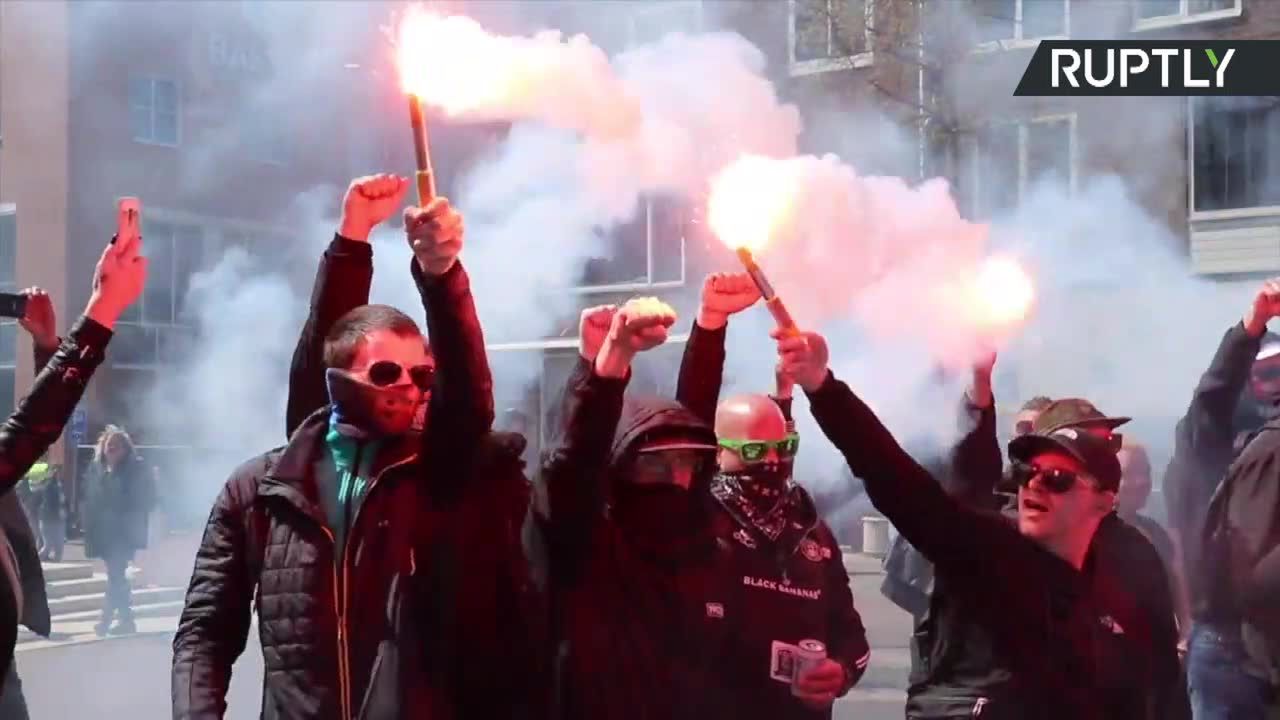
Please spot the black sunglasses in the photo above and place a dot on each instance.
(1055, 480)
(386, 373)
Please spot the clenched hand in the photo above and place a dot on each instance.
(369, 201)
(435, 235)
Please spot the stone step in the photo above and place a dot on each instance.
(69, 604)
(80, 625)
(95, 584)
(57, 572)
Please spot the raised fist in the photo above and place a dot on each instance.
(803, 356)
(979, 391)
(369, 201)
(118, 280)
(642, 324)
(1266, 305)
(593, 328)
(724, 294)
(435, 235)
(40, 319)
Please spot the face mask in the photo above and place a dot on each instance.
(655, 515)
(381, 411)
(764, 483)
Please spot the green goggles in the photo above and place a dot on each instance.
(755, 450)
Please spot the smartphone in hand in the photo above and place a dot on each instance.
(13, 305)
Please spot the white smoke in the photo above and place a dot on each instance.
(229, 399)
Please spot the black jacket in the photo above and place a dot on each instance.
(638, 635)
(1204, 446)
(970, 476)
(1080, 641)
(428, 602)
(956, 666)
(24, 437)
(798, 582)
(116, 508)
(1241, 553)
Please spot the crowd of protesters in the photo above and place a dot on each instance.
(404, 560)
(661, 561)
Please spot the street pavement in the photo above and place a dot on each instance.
(129, 677)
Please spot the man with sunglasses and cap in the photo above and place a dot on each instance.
(1078, 642)
(1123, 550)
(385, 571)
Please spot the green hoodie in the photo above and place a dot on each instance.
(342, 485)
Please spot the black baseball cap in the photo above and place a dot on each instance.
(1096, 454)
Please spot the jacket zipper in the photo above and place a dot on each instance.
(340, 595)
(342, 640)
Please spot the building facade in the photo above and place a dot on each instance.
(1208, 169)
(207, 112)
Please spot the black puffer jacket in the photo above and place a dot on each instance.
(439, 618)
(427, 605)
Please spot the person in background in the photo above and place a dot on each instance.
(1135, 489)
(1024, 422)
(49, 504)
(118, 500)
(1236, 393)
(36, 424)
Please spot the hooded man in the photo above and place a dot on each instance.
(640, 619)
(1228, 405)
(1078, 642)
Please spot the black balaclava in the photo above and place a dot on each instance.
(378, 411)
(658, 517)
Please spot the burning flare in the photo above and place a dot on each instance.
(751, 201)
(454, 64)
(1003, 293)
(451, 62)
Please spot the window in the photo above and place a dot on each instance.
(1004, 20)
(1004, 160)
(153, 110)
(647, 251)
(829, 34)
(150, 331)
(1235, 150)
(1163, 13)
(652, 22)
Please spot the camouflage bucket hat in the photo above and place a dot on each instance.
(1073, 412)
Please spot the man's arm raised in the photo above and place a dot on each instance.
(342, 284)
